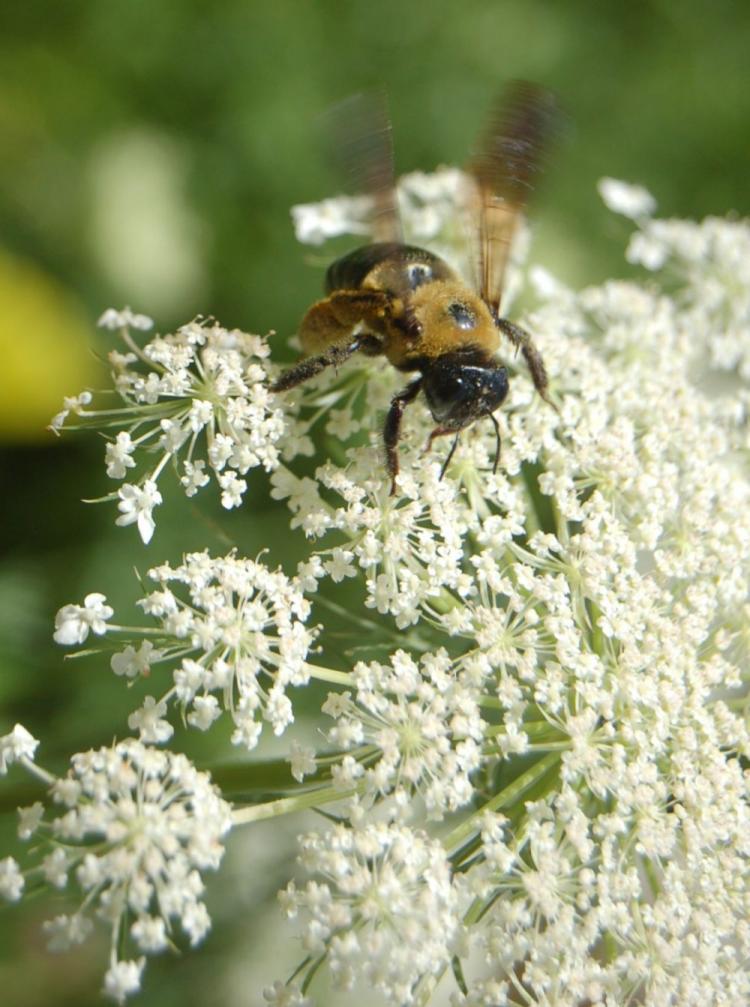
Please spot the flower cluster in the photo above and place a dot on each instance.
(232, 631)
(409, 549)
(602, 604)
(385, 912)
(198, 398)
(133, 827)
(409, 729)
(536, 766)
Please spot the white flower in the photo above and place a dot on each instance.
(65, 932)
(150, 933)
(608, 650)
(123, 978)
(233, 633)
(420, 727)
(314, 223)
(384, 908)
(71, 404)
(233, 489)
(19, 744)
(202, 390)
(11, 880)
(114, 319)
(55, 867)
(629, 200)
(136, 505)
(302, 759)
(132, 663)
(74, 622)
(149, 722)
(556, 654)
(205, 711)
(135, 827)
(118, 455)
(29, 819)
(285, 995)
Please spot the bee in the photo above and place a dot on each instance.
(402, 302)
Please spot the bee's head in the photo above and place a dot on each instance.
(463, 386)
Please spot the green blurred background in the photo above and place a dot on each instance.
(150, 152)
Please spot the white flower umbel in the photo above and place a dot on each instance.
(409, 729)
(536, 771)
(382, 906)
(603, 609)
(408, 548)
(197, 398)
(132, 828)
(711, 261)
(231, 631)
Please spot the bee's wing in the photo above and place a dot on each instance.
(511, 155)
(360, 130)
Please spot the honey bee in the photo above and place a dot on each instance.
(406, 304)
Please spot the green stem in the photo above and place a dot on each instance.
(288, 805)
(507, 796)
(534, 728)
(329, 674)
(37, 771)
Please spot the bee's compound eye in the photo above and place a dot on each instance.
(462, 315)
(418, 274)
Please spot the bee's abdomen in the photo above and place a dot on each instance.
(415, 265)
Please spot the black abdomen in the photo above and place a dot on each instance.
(419, 266)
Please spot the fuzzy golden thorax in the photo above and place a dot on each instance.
(450, 317)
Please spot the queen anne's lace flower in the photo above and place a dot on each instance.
(410, 729)
(384, 911)
(234, 633)
(556, 654)
(605, 641)
(11, 880)
(135, 829)
(200, 390)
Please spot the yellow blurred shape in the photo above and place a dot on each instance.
(45, 352)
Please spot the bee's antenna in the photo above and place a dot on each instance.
(496, 425)
(447, 461)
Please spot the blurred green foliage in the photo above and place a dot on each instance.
(150, 154)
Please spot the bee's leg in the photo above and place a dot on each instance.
(442, 432)
(310, 366)
(331, 321)
(326, 333)
(523, 342)
(392, 429)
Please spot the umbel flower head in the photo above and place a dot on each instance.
(534, 752)
(133, 828)
(233, 633)
(594, 588)
(385, 912)
(197, 398)
(409, 729)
